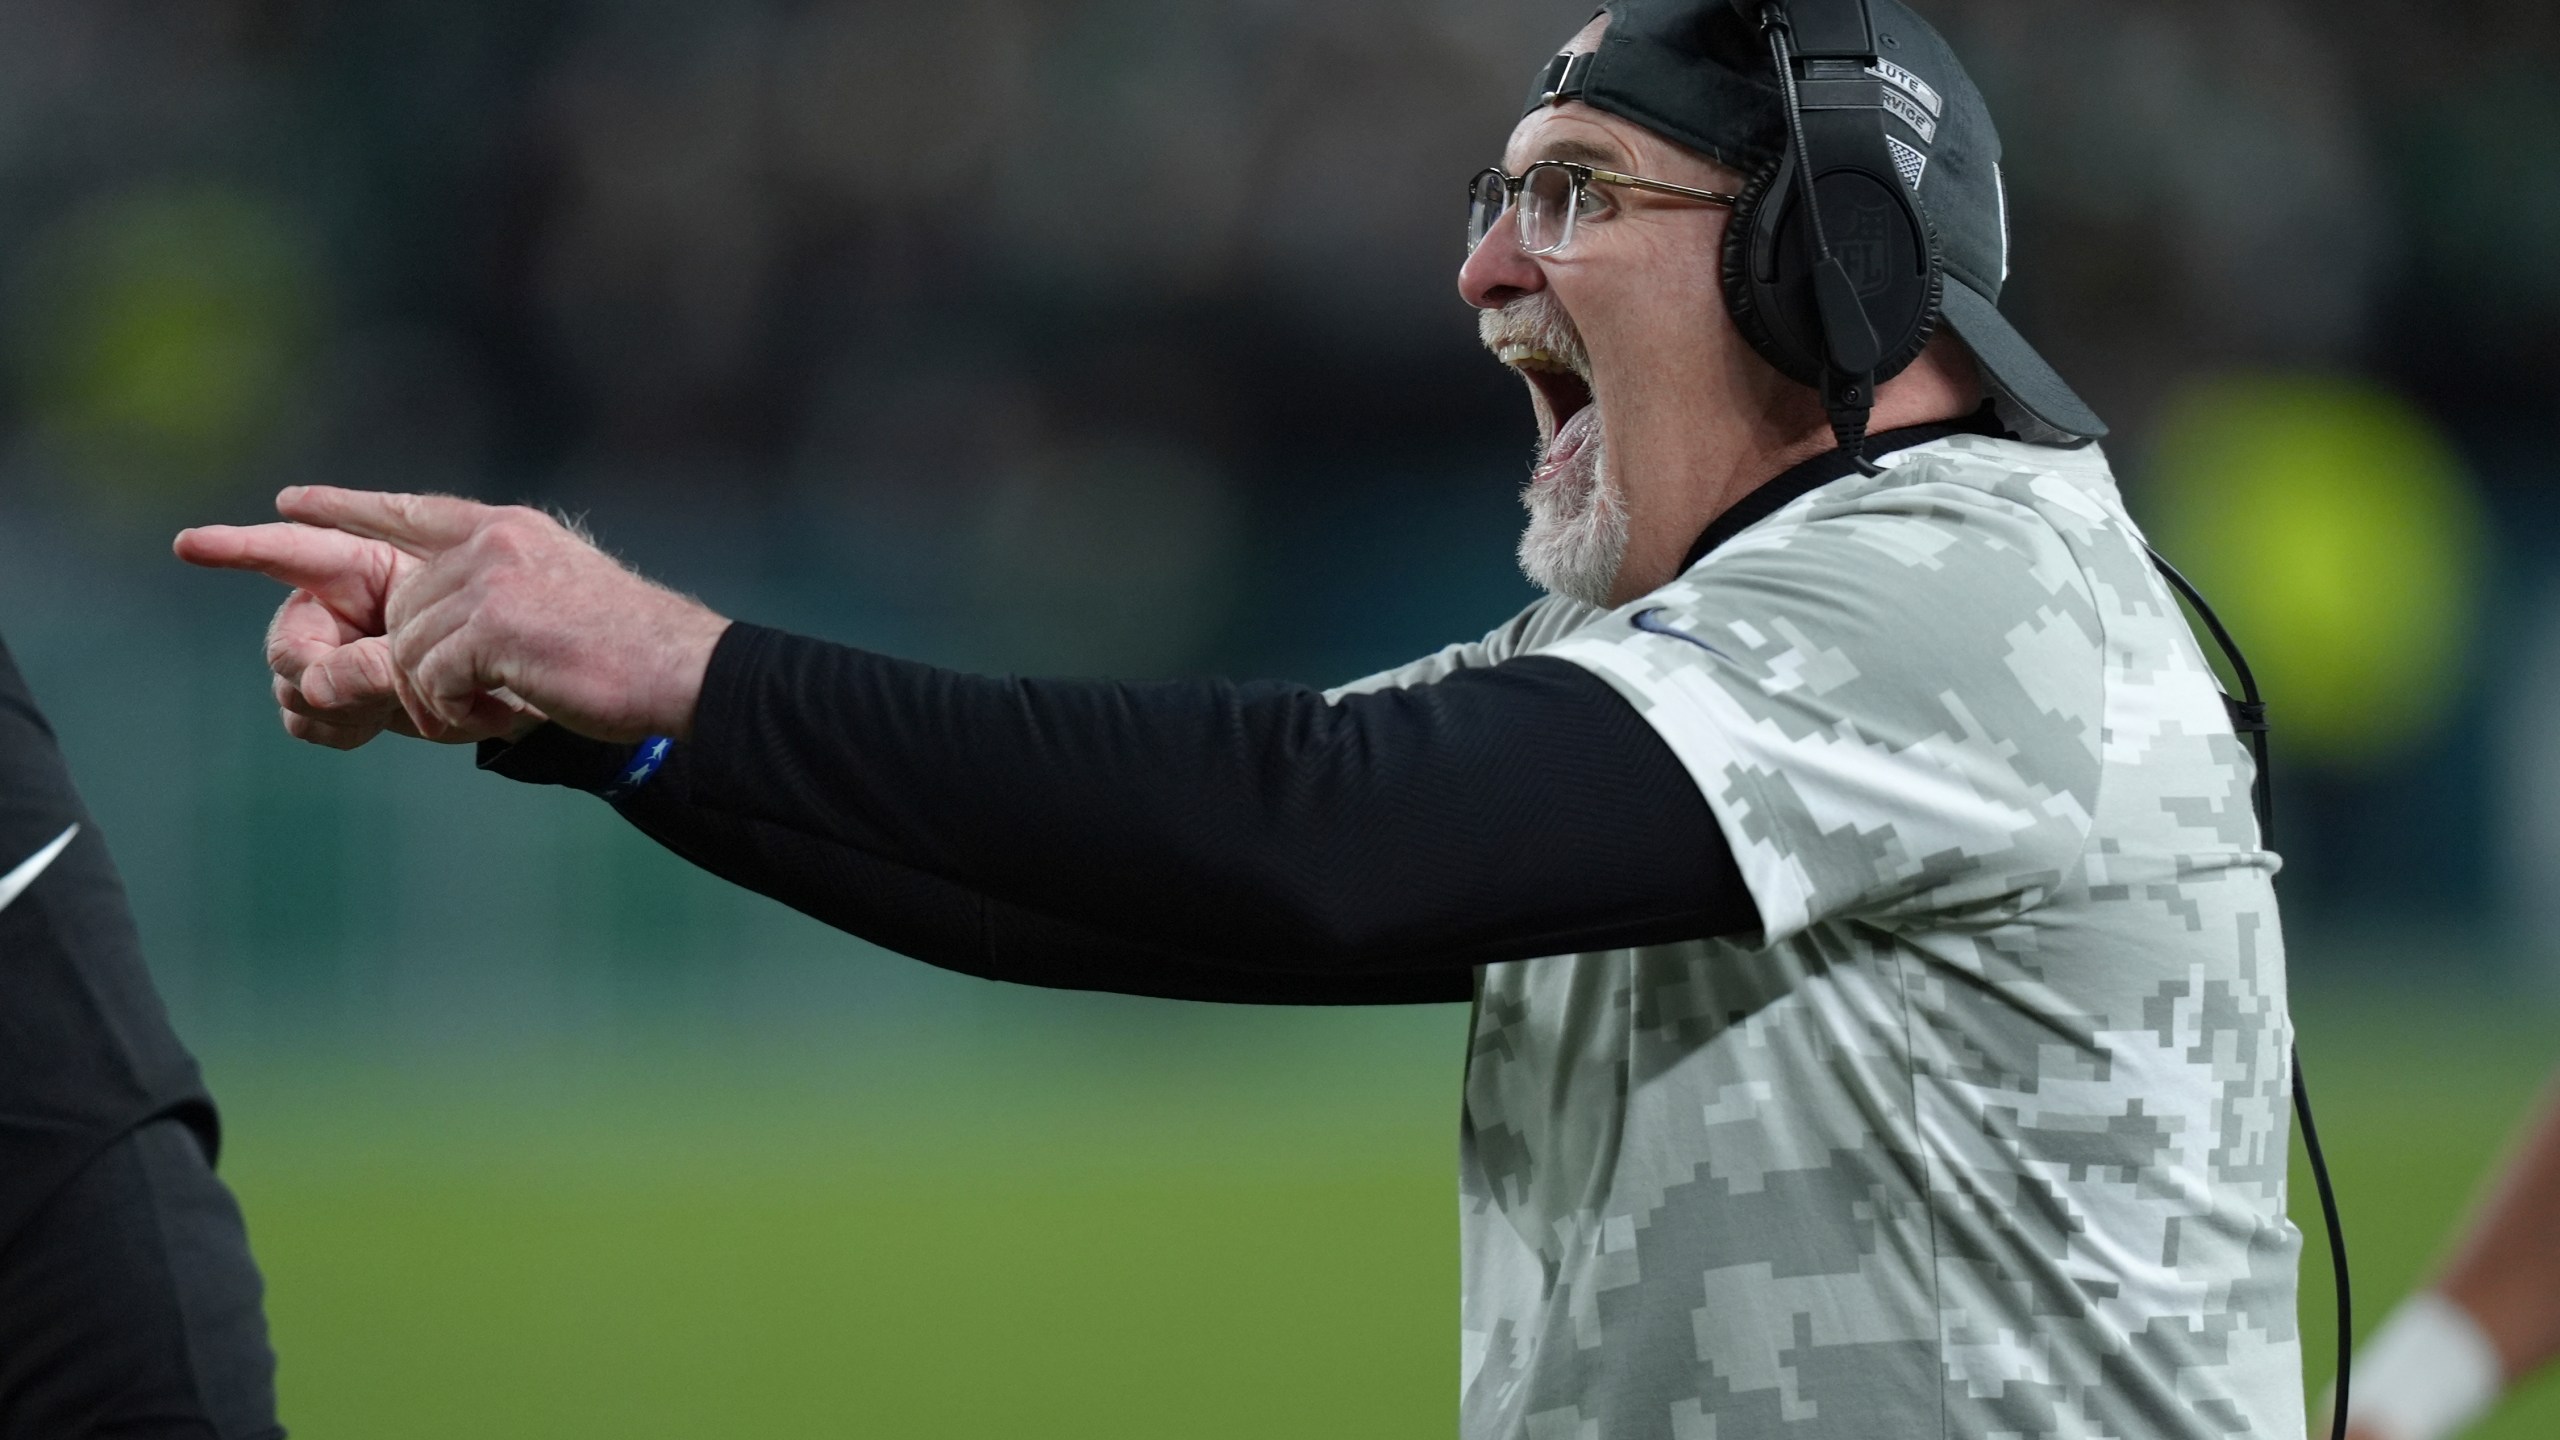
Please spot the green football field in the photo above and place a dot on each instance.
(1245, 1230)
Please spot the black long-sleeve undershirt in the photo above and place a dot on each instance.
(1196, 839)
(932, 919)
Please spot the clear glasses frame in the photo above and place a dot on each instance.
(1551, 196)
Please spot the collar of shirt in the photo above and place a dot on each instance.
(1821, 470)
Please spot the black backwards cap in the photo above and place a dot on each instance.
(1697, 72)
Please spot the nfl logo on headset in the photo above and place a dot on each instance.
(1864, 243)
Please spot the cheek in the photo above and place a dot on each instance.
(1666, 332)
(1687, 286)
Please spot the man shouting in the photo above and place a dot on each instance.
(1879, 1001)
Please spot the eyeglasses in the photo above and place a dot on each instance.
(1553, 195)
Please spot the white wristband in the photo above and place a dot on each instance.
(2426, 1374)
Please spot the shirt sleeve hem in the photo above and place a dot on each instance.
(552, 755)
(1682, 716)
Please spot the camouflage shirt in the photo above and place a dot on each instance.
(1985, 1136)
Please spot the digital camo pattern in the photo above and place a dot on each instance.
(1548, 620)
(1986, 1137)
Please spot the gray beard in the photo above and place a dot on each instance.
(1577, 535)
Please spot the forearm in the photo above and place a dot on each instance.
(928, 918)
(1503, 814)
(2506, 1271)
(2489, 1320)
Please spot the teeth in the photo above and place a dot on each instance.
(1527, 358)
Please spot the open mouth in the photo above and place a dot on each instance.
(1557, 390)
(1568, 421)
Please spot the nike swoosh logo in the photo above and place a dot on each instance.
(15, 883)
(1649, 622)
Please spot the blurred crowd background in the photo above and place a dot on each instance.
(1120, 337)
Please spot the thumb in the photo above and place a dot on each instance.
(303, 631)
(353, 678)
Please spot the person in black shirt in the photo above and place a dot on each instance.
(129, 1304)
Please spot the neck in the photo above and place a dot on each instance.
(1757, 443)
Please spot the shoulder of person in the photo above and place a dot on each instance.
(1967, 563)
(1547, 619)
(1966, 480)
(1966, 520)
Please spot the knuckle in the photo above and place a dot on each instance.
(499, 629)
(373, 667)
(518, 533)
(444, 677)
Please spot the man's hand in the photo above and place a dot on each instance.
(457, 621)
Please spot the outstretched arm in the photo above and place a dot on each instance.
(924, 916)
(2490, 1320)
(1501, 814)
(2506, 1272)
(1504, 813)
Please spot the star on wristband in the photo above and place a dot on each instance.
(646, 761)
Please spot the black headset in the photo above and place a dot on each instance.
(1840, 294)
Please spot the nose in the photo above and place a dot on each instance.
(1497, 272)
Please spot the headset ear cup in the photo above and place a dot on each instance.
(1746, 299)
(1924, 326)
(1752, 304)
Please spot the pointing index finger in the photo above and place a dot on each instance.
(347, 574)
(418, 524)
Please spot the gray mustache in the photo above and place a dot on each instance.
(1537, 321)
